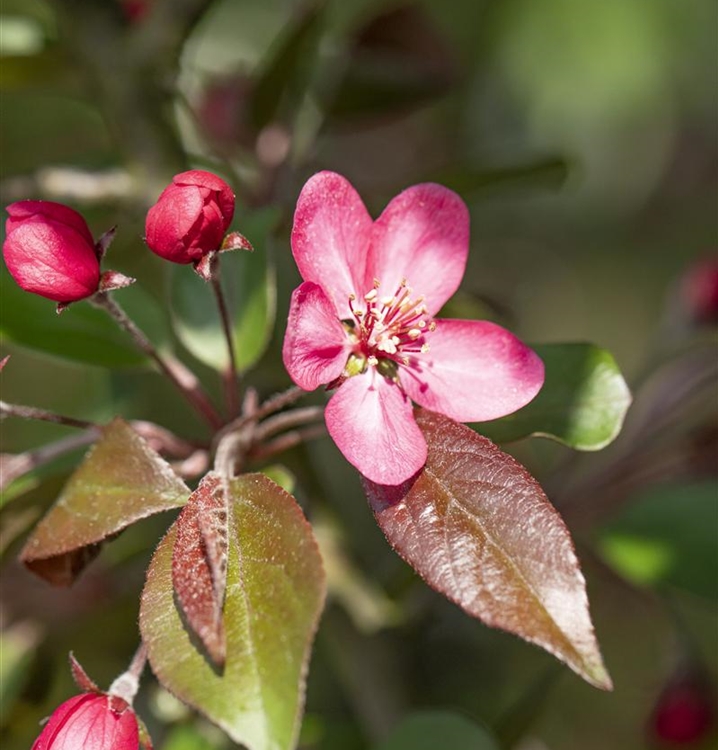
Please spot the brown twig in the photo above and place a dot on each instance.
(286, 441)
(183, 379)
(287, 420)
(31, 412)
(13, 467)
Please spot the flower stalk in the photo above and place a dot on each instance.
(230, 374)
(184, 379)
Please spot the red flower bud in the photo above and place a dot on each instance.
(684, 711)
(91, 721)
(699, 290)
(190, 218)
(49, 251)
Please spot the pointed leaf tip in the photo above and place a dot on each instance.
(101, 499)
(479, 529)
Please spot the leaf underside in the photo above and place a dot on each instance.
(275, 593)
(479, 529)
(121, 480)
(199, 564)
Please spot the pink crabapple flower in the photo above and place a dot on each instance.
(190, 218)
(91, 721)
(364, 319)
(49, 250)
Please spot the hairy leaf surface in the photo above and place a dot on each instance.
(275, 593)
(121, 480)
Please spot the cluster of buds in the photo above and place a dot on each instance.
(49, 249)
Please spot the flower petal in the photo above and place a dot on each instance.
(51, 259)
(330, 238)
(372, 423)
(50, 212)
(422, 236)
(171, 219)
(474, 371)
(316, 346)
(224, 194)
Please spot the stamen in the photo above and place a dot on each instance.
(372, 360)
(414, 333)
(369, 296)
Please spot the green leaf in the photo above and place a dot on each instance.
(18, 645)
(479, 529)
(549, 172)
(81, 333)
(188, 738)
(284, 75)
(582, 404)
(275, 593)
(120, 481)
(429, 730)
(250, 290)
(667, 535)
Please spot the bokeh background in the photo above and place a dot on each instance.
(583, 135)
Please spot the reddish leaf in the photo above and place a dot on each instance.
(120, 481)
(199, 564)
(479, 529)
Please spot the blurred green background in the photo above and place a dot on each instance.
(583, 136)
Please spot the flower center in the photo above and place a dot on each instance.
(387, 331)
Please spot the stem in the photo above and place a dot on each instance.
(230, 376)
(14, 467)
(288, 440)
(183, 378)
(272, 404)
(127, 684)
(30, 412)
(287, 419)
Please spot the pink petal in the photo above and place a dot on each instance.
(171, 219)
(372, 423)
(422, 236)
(51, 259)
(202, 179)
(330, 238)
(316, 346)
(50, 212)
(474, 371)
